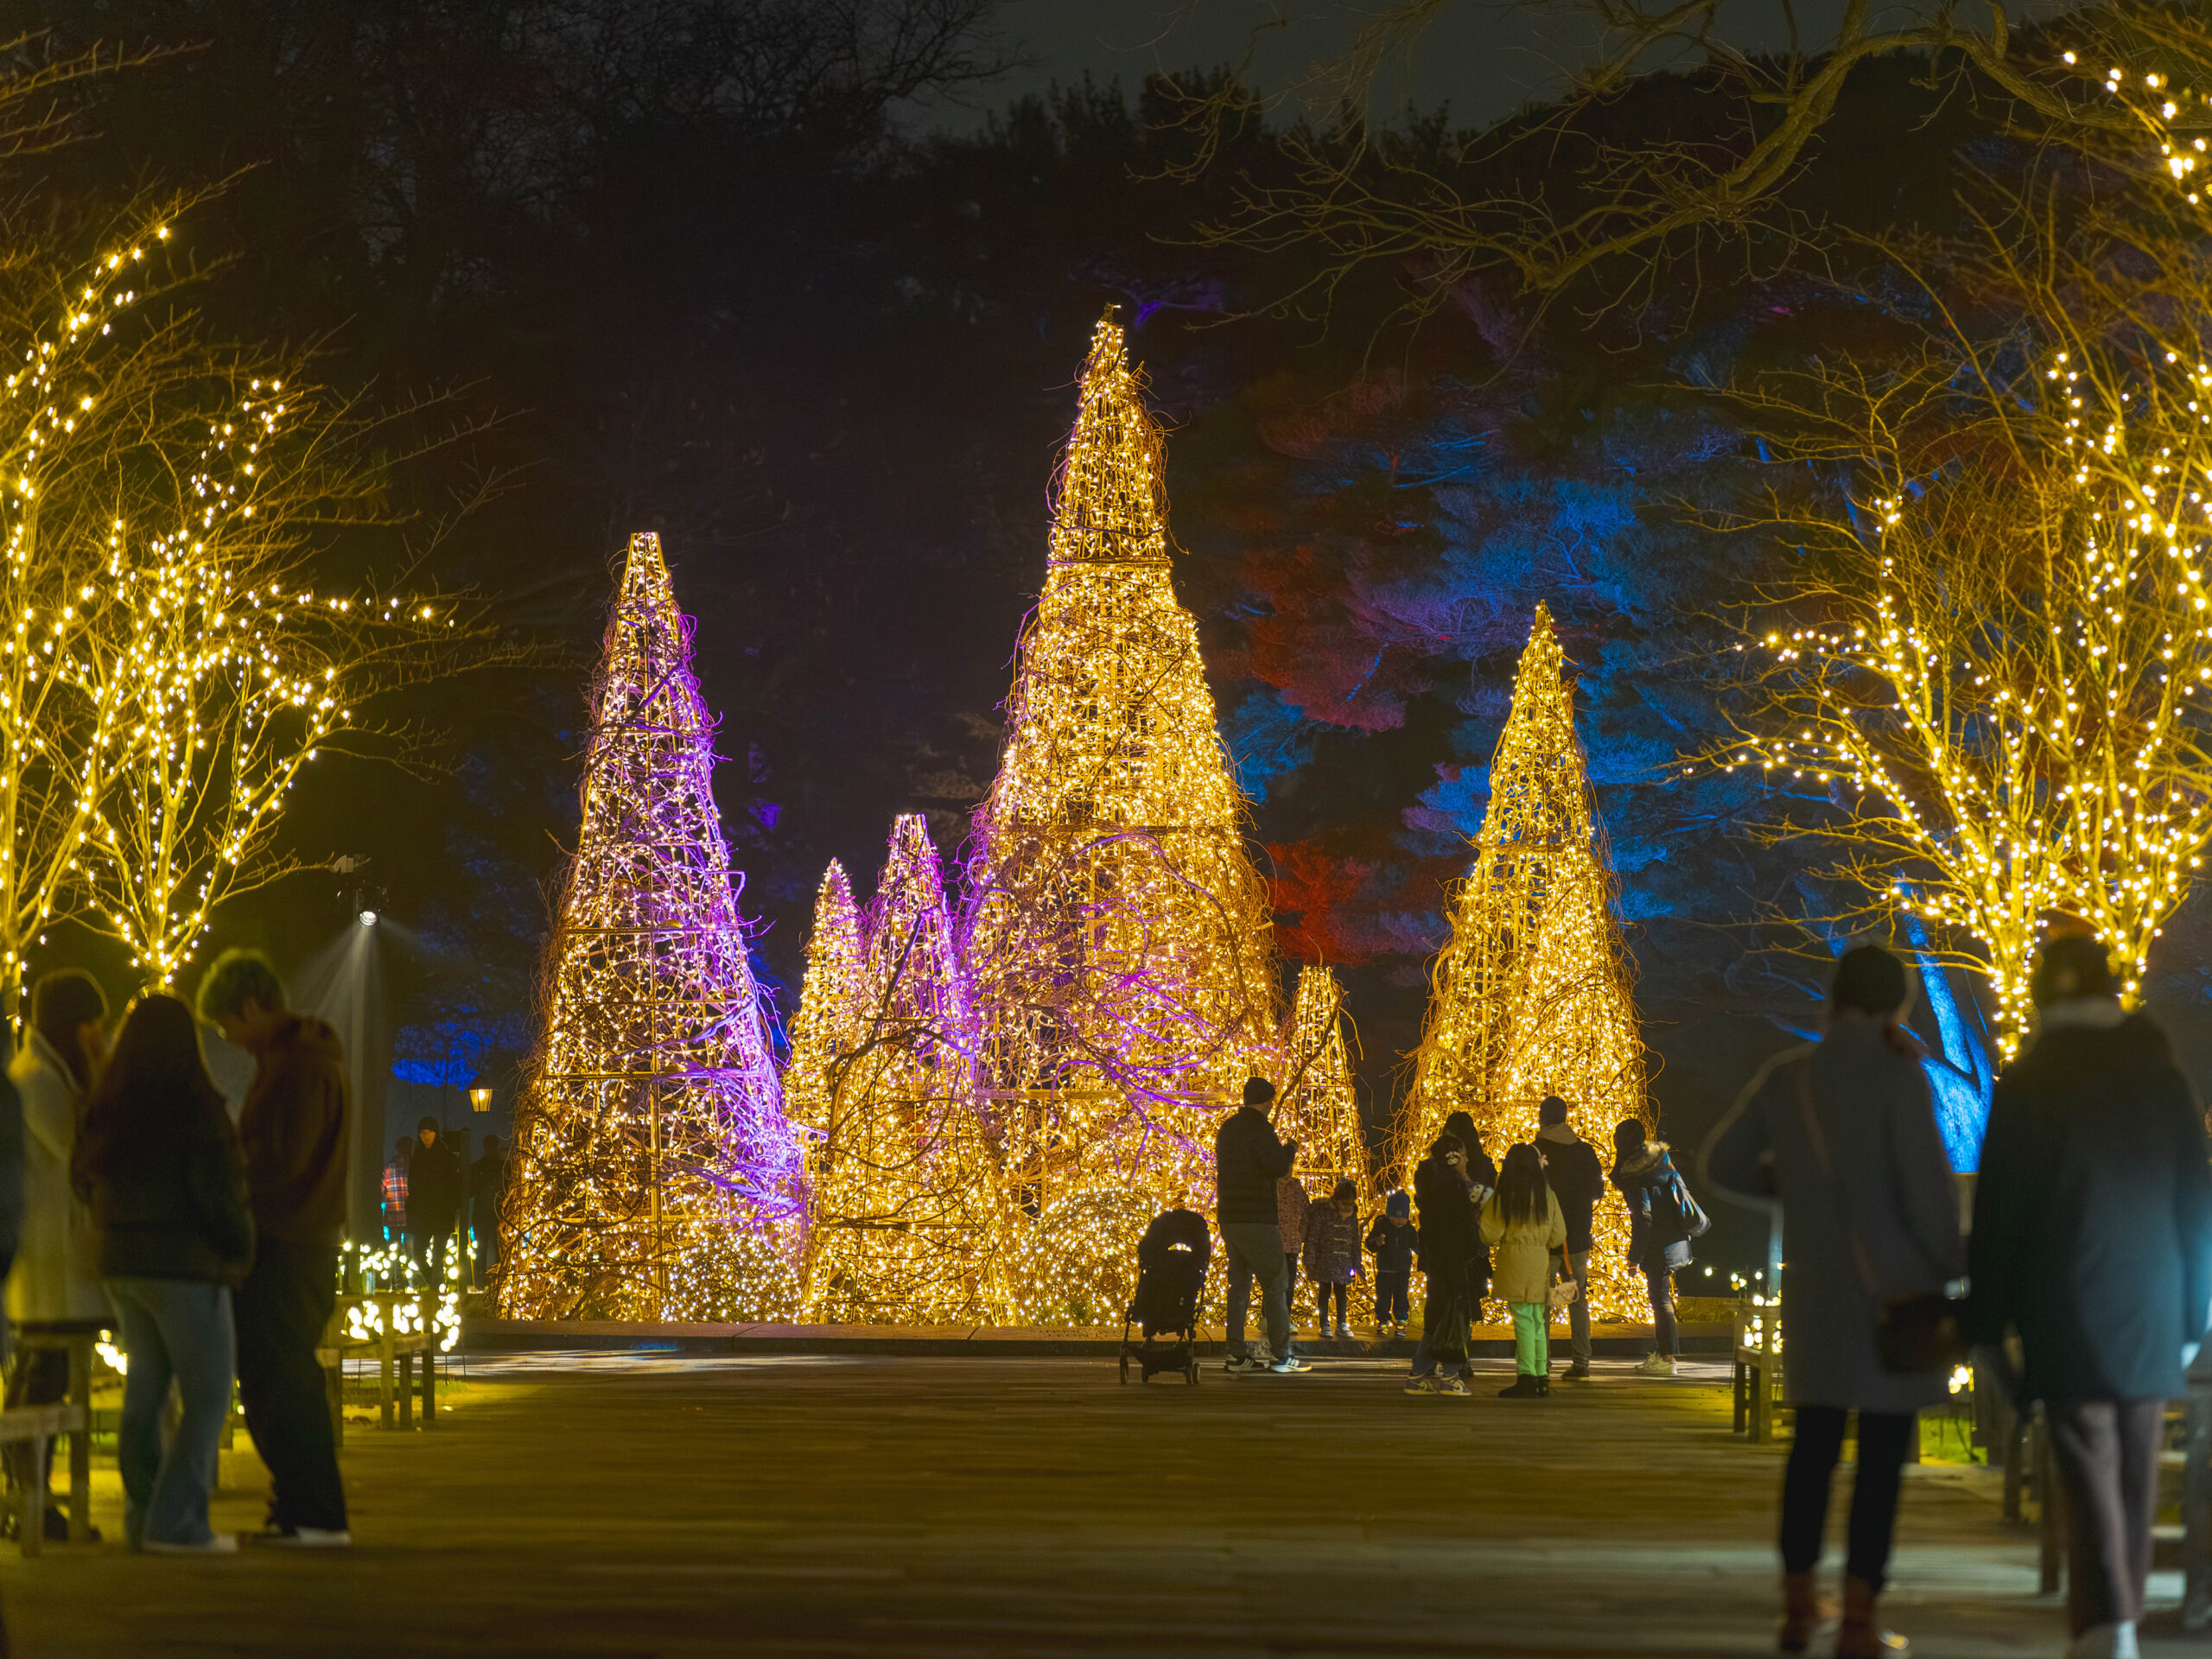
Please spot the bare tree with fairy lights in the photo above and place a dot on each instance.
(655, 1175)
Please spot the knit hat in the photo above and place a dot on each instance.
(1399, 1207)
(2073, 965)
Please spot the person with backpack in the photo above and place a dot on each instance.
(1391, 1241)
(1523, 1220)
(2093, 1240)
(1843, 1133)
(1662, 1220)
(1578, 1181)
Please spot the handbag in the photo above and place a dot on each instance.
(1564, 1293)
(1913, 1334)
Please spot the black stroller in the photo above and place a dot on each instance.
(1172, 1261)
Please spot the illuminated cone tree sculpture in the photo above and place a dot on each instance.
(827, 1024)
(902, 1222)
(1117, 932)
(656, 1176)
(1531, 993)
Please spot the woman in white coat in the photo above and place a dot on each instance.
(54, 1279)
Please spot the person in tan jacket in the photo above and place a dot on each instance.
(1523, 1224)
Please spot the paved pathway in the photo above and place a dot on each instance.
(645, 1506)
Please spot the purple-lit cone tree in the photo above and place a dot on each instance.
(827, 1025)
(1531, 992)
(1118, 935)
(656, 1175)
(903, 1173)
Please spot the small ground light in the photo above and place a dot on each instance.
(368, 919)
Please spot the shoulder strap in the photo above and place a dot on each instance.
(1818, 1136)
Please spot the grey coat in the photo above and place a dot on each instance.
(1873, 1107)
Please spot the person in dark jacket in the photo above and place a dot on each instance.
(1391, 1241)
(487, 1184)
(1482, 1181)
(1449, 1244)
(161, 1168)
(2092, 1239)
(1658, 1243)
(436, 1185)
(1578, 1181)
(295, 1132)
(1248, 1161)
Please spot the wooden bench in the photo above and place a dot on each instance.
(394, 1351)
(77, 1339)
(34, 1425)
(1757, 1367)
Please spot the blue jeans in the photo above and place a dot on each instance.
(179, 1328)
(1253, 1249)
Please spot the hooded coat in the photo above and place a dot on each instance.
(1657, 1241)
(56, 1275)
(1521, 1253)
(2093, 1213)
(1331, 1244)
(1885, 1179)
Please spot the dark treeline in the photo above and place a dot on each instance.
(711, 277)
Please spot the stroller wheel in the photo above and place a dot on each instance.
(1125, 1368)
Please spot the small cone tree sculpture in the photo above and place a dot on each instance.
(656, 1176)
(829, 1004)
(1531, 993)
(1320, 1107)
(1118, 934)
(903, 1219)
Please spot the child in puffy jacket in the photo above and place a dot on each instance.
(1332, 1254)
(1391, 1240)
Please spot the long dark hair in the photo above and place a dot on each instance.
(1521, 1185)
(154, 1092)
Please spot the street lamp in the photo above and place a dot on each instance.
(481, 1099)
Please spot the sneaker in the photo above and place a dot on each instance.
(1524, 1388)
(1579, 1372)
(1382, 1333)
(1453, 1385)
(1657, 1365)
(223, 1543)
(1423, 1385)
(314, 1538)
(1289, 1365)
(1245, 1365)
(1343, 1333)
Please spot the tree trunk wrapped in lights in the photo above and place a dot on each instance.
(1118, 934)
(903, 1222)
(656, 1176)
(1531, 993)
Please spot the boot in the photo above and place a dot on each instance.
(1863, 1636)
(1543, 1387)
(1805, 1613)
(1524, 1388)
